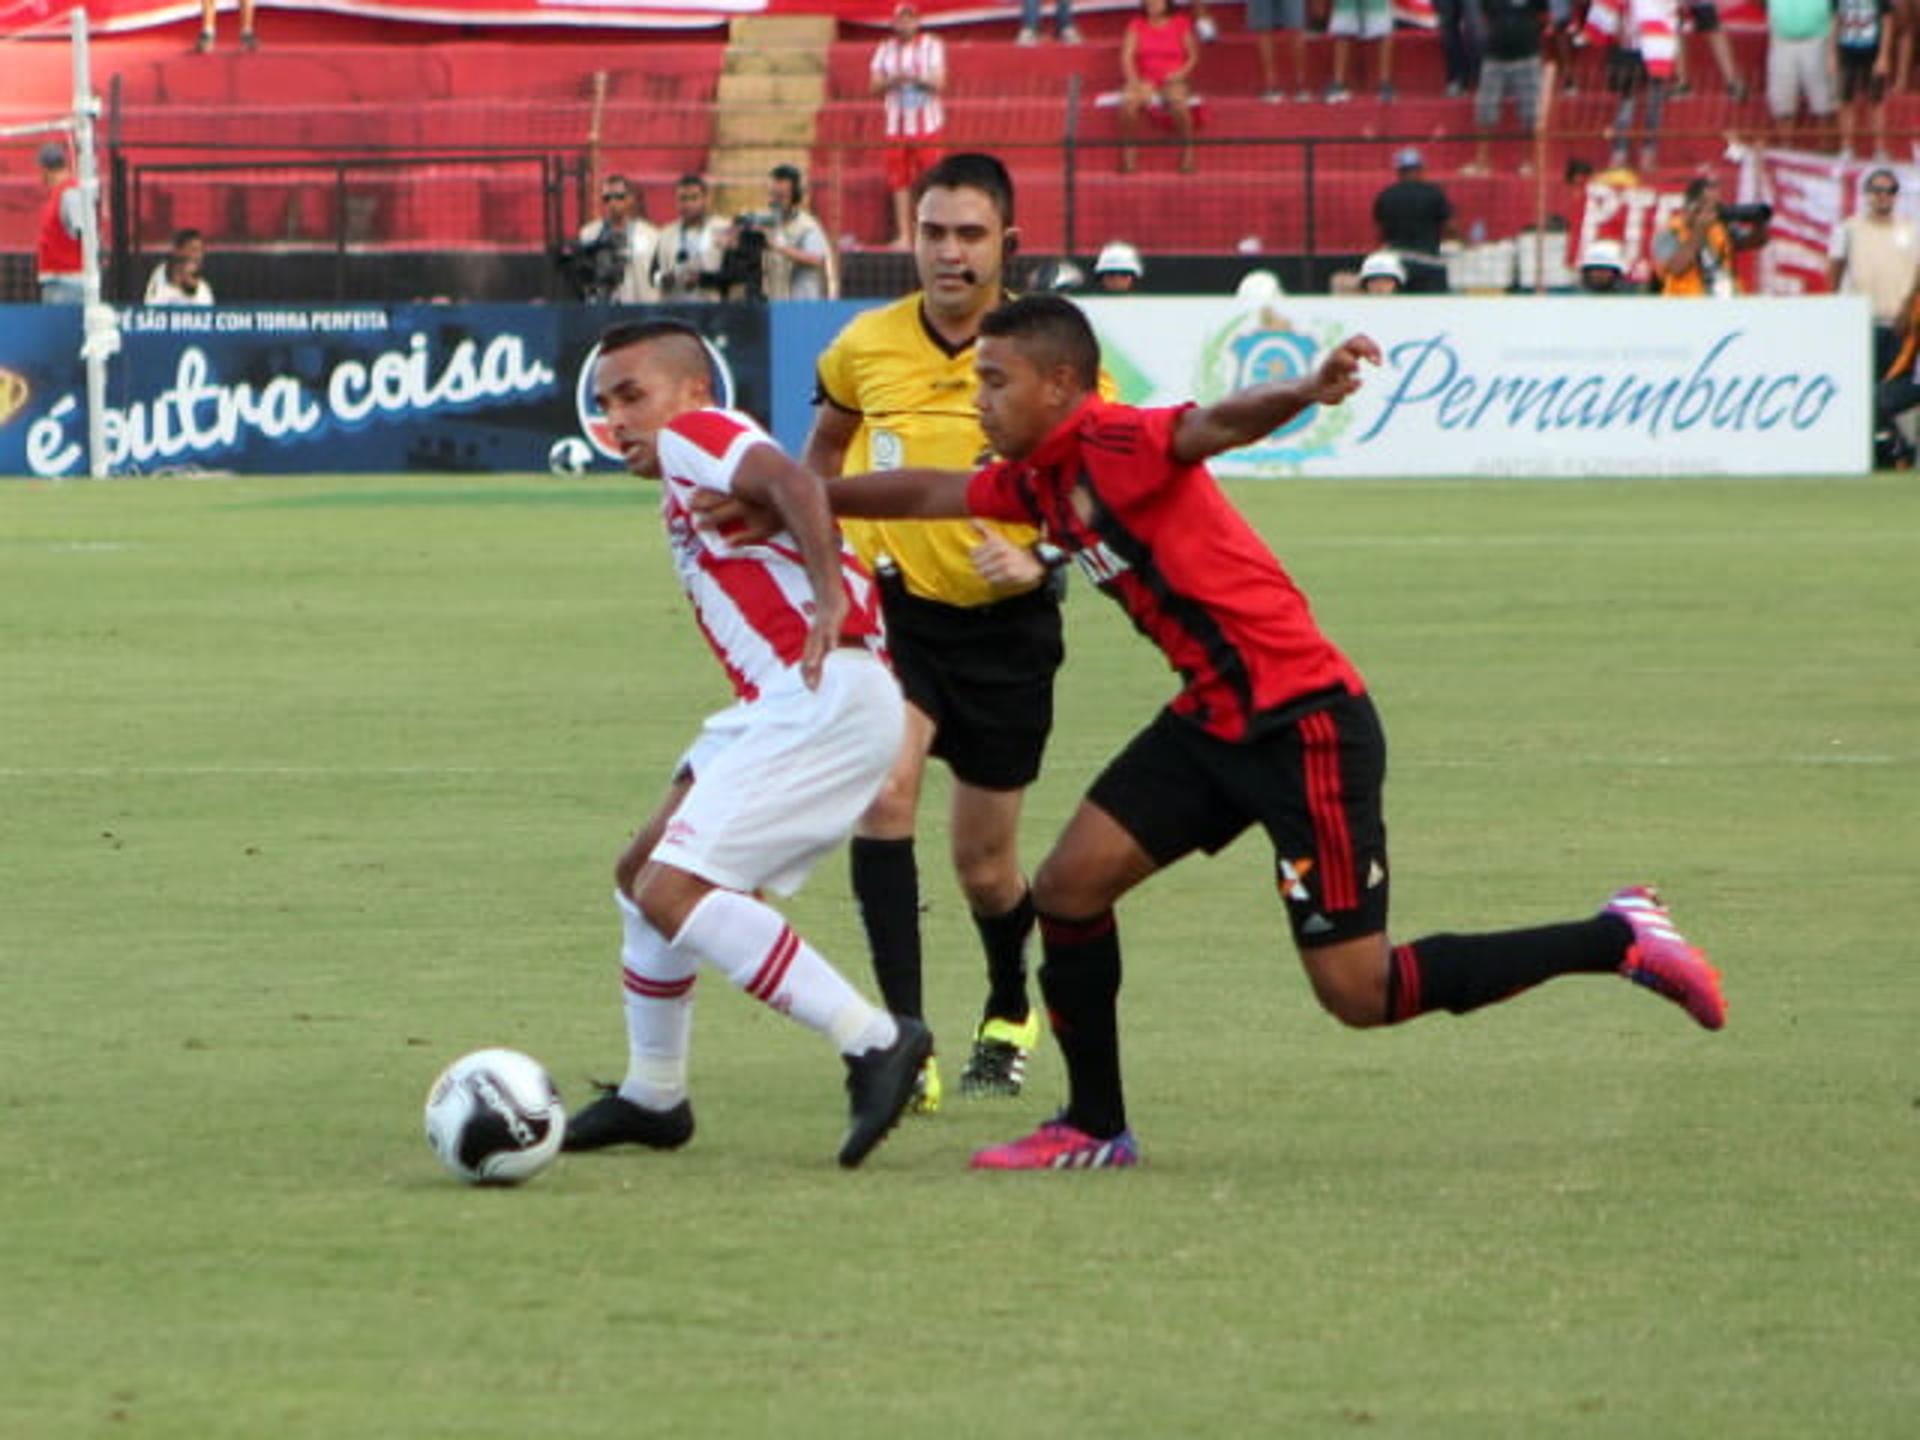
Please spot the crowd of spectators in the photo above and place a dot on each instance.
(1494, 49)
(1829, 67)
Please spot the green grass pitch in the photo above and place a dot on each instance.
(309, 786)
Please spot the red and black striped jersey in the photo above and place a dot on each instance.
(1163, 540)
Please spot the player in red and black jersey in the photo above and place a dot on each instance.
(1272, 725)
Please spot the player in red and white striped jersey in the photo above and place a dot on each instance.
(773, 782)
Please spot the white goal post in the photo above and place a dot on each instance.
(100, 325)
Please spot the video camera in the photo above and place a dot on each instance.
(1755, 214)
(744, 261)
(595, 268)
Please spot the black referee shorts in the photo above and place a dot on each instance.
(1313, 782)
(984, 675)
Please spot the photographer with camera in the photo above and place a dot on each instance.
(1694, 254)
(613, 263)
(690, 250)
(795, 260)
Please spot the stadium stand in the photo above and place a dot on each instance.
(431, 143)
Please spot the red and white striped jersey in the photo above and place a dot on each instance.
(753, 602)
(1650, 26)
(913, 109)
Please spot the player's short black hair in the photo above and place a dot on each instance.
(1697, 186)
(970, 170)
(1052, 330)
(699, 182)
(640, 332)
(184, 238)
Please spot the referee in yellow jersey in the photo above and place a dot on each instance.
(973, 618)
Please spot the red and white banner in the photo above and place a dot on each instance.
(1811, 194)
(1631, 215)
(111, 17)
(116, 17)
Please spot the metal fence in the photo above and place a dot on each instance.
(335, 207)
(384, 226)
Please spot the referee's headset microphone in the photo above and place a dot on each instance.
(1009, 247)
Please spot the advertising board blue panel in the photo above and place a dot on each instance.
(801, 330)
(39, 369)
(264, 390)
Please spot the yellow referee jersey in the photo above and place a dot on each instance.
(914, 397)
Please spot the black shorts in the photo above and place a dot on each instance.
(984, 675)
(1705, 17)
(1857, 78)
(1313, 783)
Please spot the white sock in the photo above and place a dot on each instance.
(658, 988)
(754, 947)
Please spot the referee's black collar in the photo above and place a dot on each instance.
(939, 340)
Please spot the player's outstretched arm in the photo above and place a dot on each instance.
(901, 495)
(876, 495)
(1248, 415)
(767, 477)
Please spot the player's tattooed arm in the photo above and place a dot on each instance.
(1248, 415)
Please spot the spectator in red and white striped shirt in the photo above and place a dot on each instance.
(909, 71)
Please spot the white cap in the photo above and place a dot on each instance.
(1119, 258)
(1383, 263)
(1257, 287)
(1066, 276)
(1604, 255)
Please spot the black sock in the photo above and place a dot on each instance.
(886, 885)
(1004, 938)
(1464, 972)
(1080, 979)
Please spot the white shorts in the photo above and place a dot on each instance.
(1361, 19)
(779, 781)
(1796, 69)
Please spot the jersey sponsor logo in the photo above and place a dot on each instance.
(593, 420)
(1293, 879)
(886, 450)
(1099, 563)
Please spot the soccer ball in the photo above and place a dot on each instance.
(495, 1118)
(571, 456)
